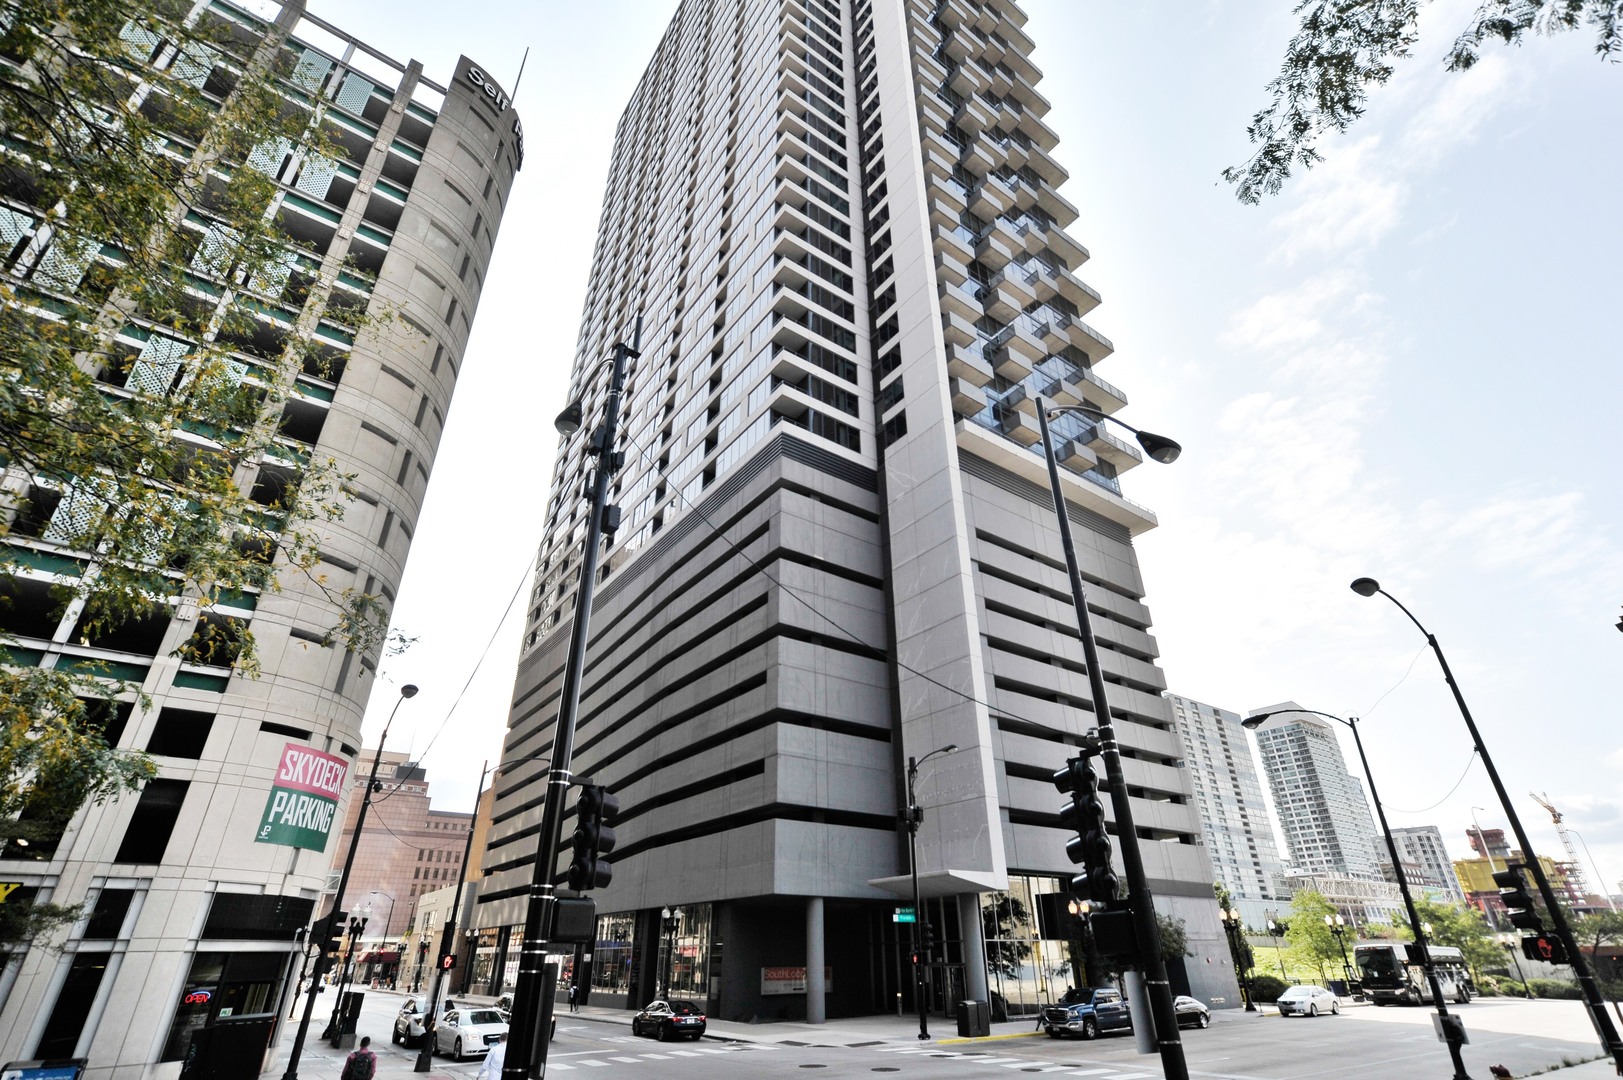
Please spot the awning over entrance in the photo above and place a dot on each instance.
(942, 883)
(379, 956)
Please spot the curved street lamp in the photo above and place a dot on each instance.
(1593, 998)
(1148, 932)
(915, 817)
(292, 1072)
(1453, 1030)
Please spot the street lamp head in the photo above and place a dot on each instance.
(1366, 586)
(409, 690)
(949, 748)
(1159, 447)
(569, 421)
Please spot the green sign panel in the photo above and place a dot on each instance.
(905, 914)
(304, 799)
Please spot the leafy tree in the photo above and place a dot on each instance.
(153, 319)
(1345, 47)
(1307, 937)
(53, 759)
(1459, 927)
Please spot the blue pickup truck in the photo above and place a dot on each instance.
(1087, 1012)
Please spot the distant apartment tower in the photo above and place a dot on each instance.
(407, 848)
(1321, 806)
(1422, 846)
(837, 548)
(1233, 816)
(399, 223)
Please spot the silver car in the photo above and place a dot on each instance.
(1308, 1001)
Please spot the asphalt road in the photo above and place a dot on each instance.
(1361, 1044)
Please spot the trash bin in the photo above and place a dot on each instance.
(974, 1019)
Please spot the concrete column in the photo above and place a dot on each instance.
(969, 922)
(816, 1007)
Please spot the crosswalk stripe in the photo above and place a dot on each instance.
(1091, 1072)
(628, 1060)
(657, 1057)
(596, 1064)
(684, 1053)
(558, 1065)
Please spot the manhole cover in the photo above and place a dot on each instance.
(814, 1066)
(885, 1068)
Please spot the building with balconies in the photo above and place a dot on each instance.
(839, 226)
(187, 920)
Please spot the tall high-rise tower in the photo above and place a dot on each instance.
(1326, 818)
(840, 226)
(1234, 818)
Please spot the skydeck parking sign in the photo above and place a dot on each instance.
(304, 799)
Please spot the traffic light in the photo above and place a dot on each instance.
(448, 961)
(594, 809)
(1086, 814)
(327, 931)
(1517, 900)
(1545, 947)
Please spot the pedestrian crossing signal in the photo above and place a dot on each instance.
(448, 961)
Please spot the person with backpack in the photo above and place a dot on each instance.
(362, 1064)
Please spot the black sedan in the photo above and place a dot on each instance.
(666, 1020)
(1191, 1013)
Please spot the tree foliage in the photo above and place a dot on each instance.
(53, 759)
(1459, 927)
(154, 316)
(1307, 938)
(146, 369)
(1343, 48)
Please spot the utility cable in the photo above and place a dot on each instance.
(517, 591)
(1469, 761)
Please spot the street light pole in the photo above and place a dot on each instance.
(1338, 926)
(670, 921)
(1279, 954)
(915, 817)
(1453, 1030)
(1148, 932)
(292, 1072)
(425, 1058)
(1586, 980)
(527, 1044)
(1232, 923)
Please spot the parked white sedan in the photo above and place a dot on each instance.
(465, 1032)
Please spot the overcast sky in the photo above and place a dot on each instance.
(1368, 374)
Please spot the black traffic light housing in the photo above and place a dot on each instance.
(1545, 947)
(1085, 813)
(1518, 901)
(328, 931)
(594, 810)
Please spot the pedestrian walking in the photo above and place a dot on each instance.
(572, 991)
(362, 1064)
(492, 1068)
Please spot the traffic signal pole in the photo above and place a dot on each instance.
(527, 1044)
(425, 1059)
(1142, 904)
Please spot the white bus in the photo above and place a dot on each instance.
(1391, 973)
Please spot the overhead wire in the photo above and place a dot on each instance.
(517, 591)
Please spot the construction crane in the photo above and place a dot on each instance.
(1575, 870)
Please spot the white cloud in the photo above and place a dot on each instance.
(1344, 205)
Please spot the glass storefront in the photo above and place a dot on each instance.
(611, 956)
(685, 956)
(1026, 970)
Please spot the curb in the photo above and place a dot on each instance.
(989, 1038)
